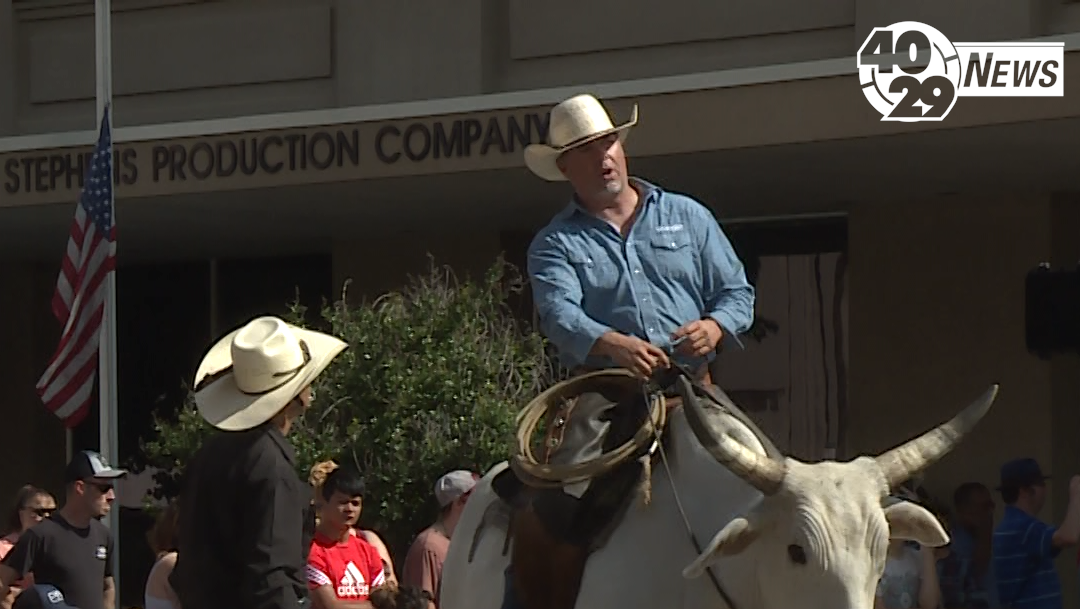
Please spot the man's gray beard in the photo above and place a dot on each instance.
(606, 195)
(613, 187)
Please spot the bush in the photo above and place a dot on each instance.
(432, 381)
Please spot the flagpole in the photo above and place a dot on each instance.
(107, 403)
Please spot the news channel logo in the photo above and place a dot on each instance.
(910, 72)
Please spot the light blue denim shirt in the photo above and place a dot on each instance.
(675, 266)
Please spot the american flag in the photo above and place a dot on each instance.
(67, 386)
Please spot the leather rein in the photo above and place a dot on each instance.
(651, 389)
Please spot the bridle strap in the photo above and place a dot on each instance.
(667, 382)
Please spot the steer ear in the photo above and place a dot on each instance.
(909, 521)
(732, 539)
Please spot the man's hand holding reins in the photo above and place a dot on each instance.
(698, 337)
(630, 352)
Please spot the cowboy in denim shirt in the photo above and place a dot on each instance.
(627, 275)
(629, 272)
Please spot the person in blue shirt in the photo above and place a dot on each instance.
(1024, 546)
(627, 275)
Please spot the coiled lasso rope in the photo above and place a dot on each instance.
(540, 475)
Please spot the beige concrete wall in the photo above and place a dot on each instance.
(178, 60)
(7, 68)
(422, 49)
(961, 20)
(33, 447)
(937, 314)
(173, 60)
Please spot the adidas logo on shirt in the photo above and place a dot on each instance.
(352, 583)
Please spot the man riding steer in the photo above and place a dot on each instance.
(627, 275)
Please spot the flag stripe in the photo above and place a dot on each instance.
(66, 388)
(73, 360)
(74, 337)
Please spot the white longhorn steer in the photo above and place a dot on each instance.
(785, 534)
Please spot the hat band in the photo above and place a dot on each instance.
(587, 138)
(285, 375)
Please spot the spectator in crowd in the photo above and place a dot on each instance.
(342, 568)
(242, 539)
(31, 506)
(423, 564)
(966, 572)
(162, 537)
(71, 549)
(392, 597)
(910, 579)
(317, 476)
(1024, 546)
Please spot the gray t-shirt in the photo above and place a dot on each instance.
(75, 560)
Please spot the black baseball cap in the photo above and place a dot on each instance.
(1018, 473)
(41, 596)
(88, 464)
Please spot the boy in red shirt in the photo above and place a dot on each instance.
(342, 568)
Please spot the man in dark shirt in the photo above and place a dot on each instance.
(242, 538)
(71, 549)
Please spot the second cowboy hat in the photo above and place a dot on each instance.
(253, 372)
(574, 122)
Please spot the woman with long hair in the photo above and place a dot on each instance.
(32, 505)
(159, 593)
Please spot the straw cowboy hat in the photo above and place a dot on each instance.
(574, 122)
(253, 372)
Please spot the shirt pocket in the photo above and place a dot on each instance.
(595, 270)
(673, 256)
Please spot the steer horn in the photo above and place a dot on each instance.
(759, 471)
(903, 462)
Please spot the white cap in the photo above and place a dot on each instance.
(453, 485)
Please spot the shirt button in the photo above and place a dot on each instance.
(651, 330)
(637, 271)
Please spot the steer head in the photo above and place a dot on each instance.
(819, 536)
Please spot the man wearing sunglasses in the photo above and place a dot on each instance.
(71, 549)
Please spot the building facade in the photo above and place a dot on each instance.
(371, 134)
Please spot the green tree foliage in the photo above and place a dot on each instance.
(432, 381)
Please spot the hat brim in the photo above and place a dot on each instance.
(541, 158)
(223, 405)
